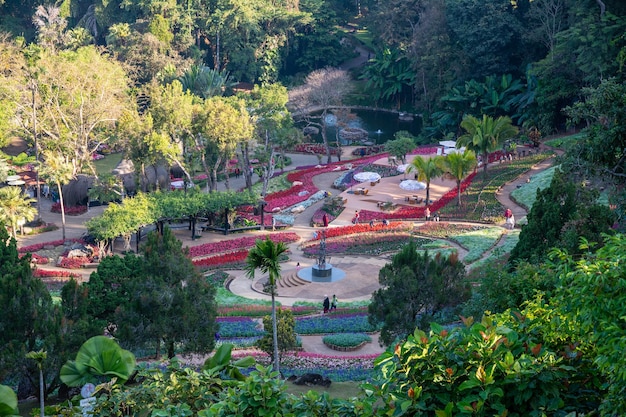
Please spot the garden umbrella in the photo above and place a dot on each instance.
(367, 176)
(403, 167)
(17, 182)
(412, 185)
(13, 178)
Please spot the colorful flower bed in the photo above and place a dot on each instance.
(445, 229)
(240, 243)
(238, 327)
(70, 211)
(334, 323)
(46, 273)
(222, 260)
(342, 341)
(256, 310)
(39, 246)
(315, 148)
(73, 263)
(363, 228)
(366, 244)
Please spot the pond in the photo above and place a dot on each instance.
(380, 126)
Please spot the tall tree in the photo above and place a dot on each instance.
(485, 135)
(322, 90)
(415, 286)
(219, 126)
(82, 94)
(58, 170)
(426, 169)
(458, 165)
(265, 256)
(171, 303)
(30, 320)
(15, 208)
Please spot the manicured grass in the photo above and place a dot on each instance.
(108, 163)
(227, 298)
(344, 390)
(478, 242)
(527, 193)
(565, 142)
(274, 185)
(509, 242)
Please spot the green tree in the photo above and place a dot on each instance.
(583, 283)
(30, 320)
(170, 303)
(401, 145)
(426, 169)
(458, 165)
(15, 208)
(265, 256)
(58, 170)
(415, 286)
(485, 135)
(285, 326)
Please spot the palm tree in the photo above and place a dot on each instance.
(458, 165)
(486, 135)
(265, 256)
(427, 169)
(15, 206)
(58, 170)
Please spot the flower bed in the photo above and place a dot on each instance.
(256, 310)
(315, 148)
(39, 246)
(363, 228)
(240, 243)
(367, 244)
(70, 211)
(446, 230)
(45, 273)
(238, 327)
(222, 259)
(73, 263)
(334, 323)
(346, 341)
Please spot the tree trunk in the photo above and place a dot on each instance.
(275, 330)
(227, 176)
(62, 209)
(427, 193)
(324, 137)
(207, 171)
(458, 192)
(41, 394)
(245, 157)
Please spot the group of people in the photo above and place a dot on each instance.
(428, 217)
(328, 304)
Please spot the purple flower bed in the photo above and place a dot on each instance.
(238, 327)
(334, 323)
(240, 243)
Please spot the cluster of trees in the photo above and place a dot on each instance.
(156, 302)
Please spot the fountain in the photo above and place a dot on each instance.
(322, 271)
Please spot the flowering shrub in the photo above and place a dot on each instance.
(46, 273)
(38, 259)
(240, 243)
(445, 229)
(256, 310)
(315, 148)
(70, 211)
(366, 244)
(334, 323)
(238, 327)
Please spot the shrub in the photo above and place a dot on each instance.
(346, 340)
(70, 211)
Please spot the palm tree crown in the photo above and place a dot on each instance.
(15, 206)
(486, 135)
(458, 165)
(427, 169)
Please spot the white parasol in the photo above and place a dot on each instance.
(13, 178)
(403, 167)
(367, 176)
(17, 182)
(412, 185)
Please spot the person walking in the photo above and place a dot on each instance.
(326, 304)
(333, 303)
(427, 214)
(355, 220)
(508, 218)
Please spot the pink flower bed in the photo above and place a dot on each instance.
(73, 263)
(240, 243)
(39, 246)
(37, 259)
(223, 259)
(45, 273)
(287, 198)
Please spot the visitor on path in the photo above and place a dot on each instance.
(333, 304)
(436, 218)
(372, 223)
(46, 190)
(510, 222)
(273, 223)
(298, 266)
(355, 220)
(325, 220)
(507, 218)
(427, 214)
(237, 172)
(326, 304)
(385, 222)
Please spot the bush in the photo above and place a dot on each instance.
(332, 323)
(346, 340)
(70, 211)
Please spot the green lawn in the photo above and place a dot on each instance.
(565, 142)
(108, 163)
(342, 390)
(527, 193)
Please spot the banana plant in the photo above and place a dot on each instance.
(8, 402)
(221, 362)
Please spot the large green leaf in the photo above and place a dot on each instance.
(8, 402)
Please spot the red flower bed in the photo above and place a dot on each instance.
(70, 211)
(409, 212)
(45, 273)
(240, 243)
(314, 148)
(37, 259)
(362, 228)
(287, 198)
(73, 263)
(225, 258)
(39, 246)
